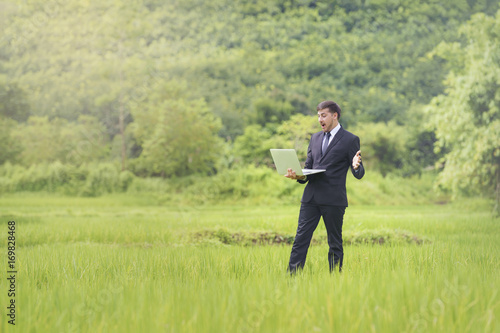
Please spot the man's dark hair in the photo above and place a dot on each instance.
(331, 106)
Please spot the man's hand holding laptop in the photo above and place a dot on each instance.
(291, 174)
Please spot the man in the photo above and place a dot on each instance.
(335, 150)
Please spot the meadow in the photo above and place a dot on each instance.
(132, 263)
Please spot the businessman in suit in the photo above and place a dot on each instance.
(337, 151)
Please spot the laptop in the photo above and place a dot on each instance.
(287, 158)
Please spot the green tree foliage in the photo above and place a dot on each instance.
(382, 146)
(271, 111)
(467, 118)
(135, 68)
(296, 132)
(253, 145)
(370, 54)
(178, 138)
(9, 147)
(13, 101)
(43, 140)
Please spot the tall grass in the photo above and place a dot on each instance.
(125, 264)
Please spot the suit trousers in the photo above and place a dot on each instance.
(310, 213)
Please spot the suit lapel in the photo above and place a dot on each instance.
(320, 142)
(335, 140)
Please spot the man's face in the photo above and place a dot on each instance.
(327, 120)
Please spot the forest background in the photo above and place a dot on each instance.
(186, 97)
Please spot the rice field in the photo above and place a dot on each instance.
(124, 263)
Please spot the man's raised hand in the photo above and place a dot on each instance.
(356, 160)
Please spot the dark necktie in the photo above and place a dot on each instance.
(326, 139)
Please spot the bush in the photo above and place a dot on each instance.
(248, 184)
(103, 178)
(86, 180)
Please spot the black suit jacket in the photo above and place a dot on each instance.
(328, 188)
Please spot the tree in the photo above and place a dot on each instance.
(13, 103)
(271, 111)
(382, 146)
(252, 147)
(467, 117)
(295, 133)
(43, 140)
(178, 138)
(9, 147)
(251, 62)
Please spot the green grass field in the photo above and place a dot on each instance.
(124, 263)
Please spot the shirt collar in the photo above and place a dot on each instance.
(335, 130)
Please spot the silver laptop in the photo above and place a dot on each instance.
(287, 158)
